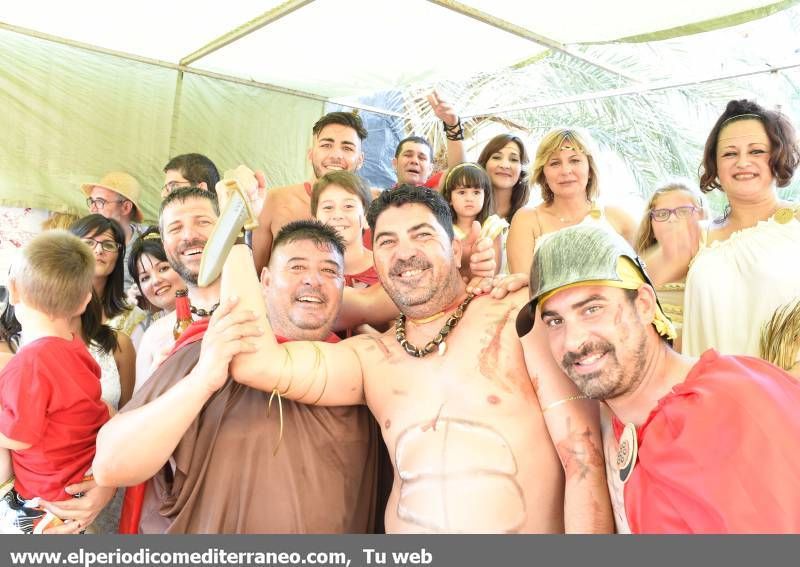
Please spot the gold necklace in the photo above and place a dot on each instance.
(593, 212)
(439, 340)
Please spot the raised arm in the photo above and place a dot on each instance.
(668, 261)
(574, 426)
(445, 112)
(623, 223)
(262, 234)
(304, 371)
(125, 358)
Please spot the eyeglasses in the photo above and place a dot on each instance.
(105, 245)
(100, 203)
(170, 186)
(662, 215)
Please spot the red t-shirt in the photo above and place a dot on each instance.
(720, 453)
(50, 398)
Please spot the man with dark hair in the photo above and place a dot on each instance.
(413, 158)
(413, 161)
(232, 459)
(458, 405)
(706, 445)
(190, 170)
(336, 145)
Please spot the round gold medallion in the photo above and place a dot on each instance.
(627, 453)
(595, 214)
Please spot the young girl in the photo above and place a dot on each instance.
(468, 189)
(674, 208)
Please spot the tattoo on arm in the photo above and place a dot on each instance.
(578, 453)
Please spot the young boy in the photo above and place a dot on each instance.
(50, 406)
(340, 199)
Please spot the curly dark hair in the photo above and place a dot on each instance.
(784, 152)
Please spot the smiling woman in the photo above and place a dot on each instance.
(154, 276)
(566, 171)
(106, 239)
(753, 247)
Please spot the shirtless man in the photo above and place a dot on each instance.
(336, 146)
(469, 441)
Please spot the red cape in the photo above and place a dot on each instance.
(720, 453)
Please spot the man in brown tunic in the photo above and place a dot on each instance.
(482, 437)
(227, 460)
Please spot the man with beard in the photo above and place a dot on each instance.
(460, 414)
(706, 445)
(230, 459)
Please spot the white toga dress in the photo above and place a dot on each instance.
(734, 286)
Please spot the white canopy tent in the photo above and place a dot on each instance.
(93, 86)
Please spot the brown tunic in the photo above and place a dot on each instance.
(229, 478)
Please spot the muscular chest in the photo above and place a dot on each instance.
(481, 373)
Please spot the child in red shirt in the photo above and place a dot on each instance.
(50, 406)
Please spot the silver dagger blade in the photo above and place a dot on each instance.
(216, 250)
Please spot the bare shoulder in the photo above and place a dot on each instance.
(618, 216)
(370, 346)
(622, 221)
(124, 343)
(513, 299)
(285, 192)
(525, 215)
(615, 211)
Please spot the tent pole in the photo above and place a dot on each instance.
(633, 90)
(525, 33)
(176, 110)
(245, 29)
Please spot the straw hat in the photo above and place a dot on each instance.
(122, 183)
